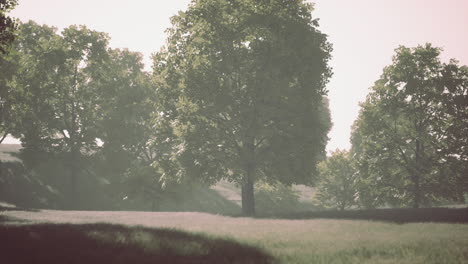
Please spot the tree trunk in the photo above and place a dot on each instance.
(248, 199)
(73, 187)
(416, 177)
(74, 196)
(155, 207)
(5, 134)
(417, 192)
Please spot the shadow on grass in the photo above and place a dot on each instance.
(402, 215)
(9, 219)
(15, 208)
(105, 243)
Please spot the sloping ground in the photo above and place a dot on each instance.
(222, 198)
(231, 192)
(305, 192)
(287, 241)
(228, 190)
(6, 151)
(193, 198)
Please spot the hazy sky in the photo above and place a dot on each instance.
(364, 34)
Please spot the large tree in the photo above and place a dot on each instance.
(241, 87)
(407, 128)
(58, 81)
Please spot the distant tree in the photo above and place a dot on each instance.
(405, 132)
(125, 126)
(240, 94)
(124, 110)
(336, 187)
(58, 82)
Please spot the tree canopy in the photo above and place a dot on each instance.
(8, 27)
(241, 93)
(76, 97)
(404, 136)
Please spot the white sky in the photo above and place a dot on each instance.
(364, 34)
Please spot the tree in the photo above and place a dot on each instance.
(453, 133)
(400, 137)
(58, 82)
(31, 88)
(336, 187)
(8, 27)
(125, 126)
(7, 69)
(241, 86)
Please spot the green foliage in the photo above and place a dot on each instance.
(125, 127)
(240, 94)
(404, 138)
(7, 112)
(126, 108)
(58, 80)
(7, 25)
(337, 185)
(73, 92)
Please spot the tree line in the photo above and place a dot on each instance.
(237, 93)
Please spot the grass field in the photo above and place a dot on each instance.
(187, 237)
(436, 235)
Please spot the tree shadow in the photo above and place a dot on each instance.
(15, 208)
(106, 243)
(10, 219)
(399, 215)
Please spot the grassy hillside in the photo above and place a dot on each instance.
(7, 152)
(47, 190)
(231, 192)
(205, 238)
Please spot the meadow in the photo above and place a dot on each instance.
(190, 237)
(283, 233)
